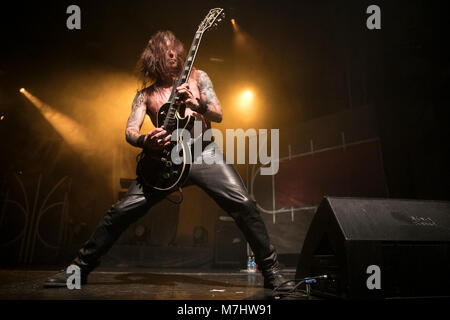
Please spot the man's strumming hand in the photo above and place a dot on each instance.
(156, 139)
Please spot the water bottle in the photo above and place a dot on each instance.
(251, 265)
(254, 264)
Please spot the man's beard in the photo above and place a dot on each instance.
(173, 72)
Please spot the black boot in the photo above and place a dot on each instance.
(59, 280)
(271, 271)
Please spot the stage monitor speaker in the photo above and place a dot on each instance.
(378, 248)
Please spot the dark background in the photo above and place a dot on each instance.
(308, 59)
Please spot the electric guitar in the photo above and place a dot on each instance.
(156, 169)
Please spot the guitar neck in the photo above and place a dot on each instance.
(184, 77)
(191, 57)
(187, 68)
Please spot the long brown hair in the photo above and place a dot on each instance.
(152, 64)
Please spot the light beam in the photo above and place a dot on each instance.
(72, 132)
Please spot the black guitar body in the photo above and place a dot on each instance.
(157, 170)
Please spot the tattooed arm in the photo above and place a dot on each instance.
(208, 97)
(134, 124)
(156, 139)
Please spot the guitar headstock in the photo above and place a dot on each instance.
(212, 19)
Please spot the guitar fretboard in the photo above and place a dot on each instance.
(191, 57)
(184, 77)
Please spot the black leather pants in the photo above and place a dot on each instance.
(220, 181)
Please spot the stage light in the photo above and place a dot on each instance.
(2, 117)
(200, 236)
(22, 90)
(248, 95)
(139, 231)
(245, 99)
(214, 59)
(235, 26)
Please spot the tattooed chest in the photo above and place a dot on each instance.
(160, 96)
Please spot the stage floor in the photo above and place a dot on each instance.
(143, 284)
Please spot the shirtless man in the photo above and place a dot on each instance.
(162, 62)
